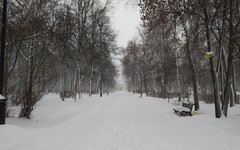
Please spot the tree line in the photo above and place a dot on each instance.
(187, 48)
(57, 46)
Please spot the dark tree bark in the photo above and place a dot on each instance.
(212, 63)
(192, 66)
(230, 63)
(145, 83)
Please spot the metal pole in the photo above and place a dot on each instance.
(2, 54)
(3, 44)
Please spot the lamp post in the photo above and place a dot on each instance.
(3, 44)
(2, 54)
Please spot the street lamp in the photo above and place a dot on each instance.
(2, 54)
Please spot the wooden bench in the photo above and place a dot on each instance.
(185, 109)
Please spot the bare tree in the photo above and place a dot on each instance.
(154, 12)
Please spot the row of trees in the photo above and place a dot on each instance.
(57, 46)
(176, 36)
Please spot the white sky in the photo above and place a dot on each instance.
(126, 19)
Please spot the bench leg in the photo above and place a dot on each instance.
(183, 113)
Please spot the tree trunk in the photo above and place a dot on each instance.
(230, 63)
(234, 87)
(177, 63)
(178, 78)
(145, 83)
(80, 83)
(90, 82)
(75, 83)
(212, 64)
(63, 79)
(27, 106)
(232, 97)
(100, 75)
(192, 65)
(140, 80)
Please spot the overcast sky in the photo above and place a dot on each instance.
(126, 19)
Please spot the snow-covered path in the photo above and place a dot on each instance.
(120, 121)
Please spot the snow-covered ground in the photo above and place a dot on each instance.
(120, 121)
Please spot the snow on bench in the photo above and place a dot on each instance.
(185, 109)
